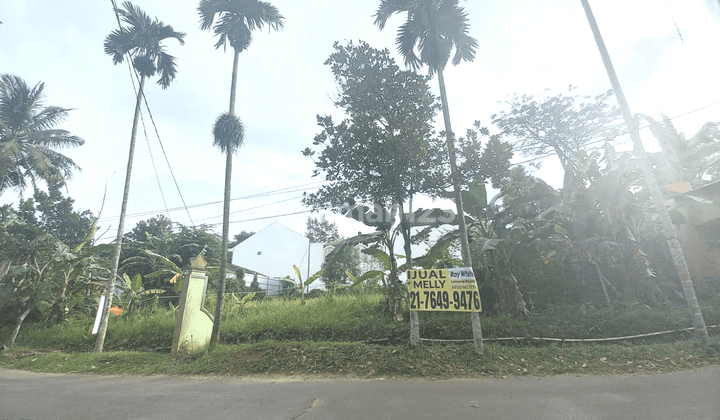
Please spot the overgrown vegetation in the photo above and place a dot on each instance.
(376, 361)
(588, 261)
(353, 334)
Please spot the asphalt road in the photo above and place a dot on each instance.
(677, 396)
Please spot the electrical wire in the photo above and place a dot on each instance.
(152, 120)
(622, 133)
(286, 190)
(152, 160)
(675, 23)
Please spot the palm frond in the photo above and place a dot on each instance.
(228, 133)
(387, 9)
(233, 21)
(48, 117)
(117, 44)
(433, 28)
(28, 136)
(168, 69)
(405, 43)
(142, 38)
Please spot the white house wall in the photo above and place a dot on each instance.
(275, 249)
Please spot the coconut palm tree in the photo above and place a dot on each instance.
(435, 28)
(28, 136)
(232, 21)
(141, 40)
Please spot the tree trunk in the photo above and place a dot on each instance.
(102, 330)
(601, 278)
(646, 284)
(668, 229)
(59, 308)
(19, 324)
(215, 336)
(407, 235)
(519, 305)
(464, 243)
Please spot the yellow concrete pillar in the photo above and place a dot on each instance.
(194, 323)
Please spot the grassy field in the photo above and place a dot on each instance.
(351, 335)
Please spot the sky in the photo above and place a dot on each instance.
(664, 52)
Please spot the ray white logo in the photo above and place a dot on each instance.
(430, 217)
(380, 216)
(375, 216)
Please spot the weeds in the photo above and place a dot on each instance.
(323, 335)
(308, 359)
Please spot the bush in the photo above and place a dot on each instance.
(359, 317)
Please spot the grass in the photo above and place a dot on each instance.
(308, 359)
(324, 336)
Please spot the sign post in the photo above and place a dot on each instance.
(446, 289)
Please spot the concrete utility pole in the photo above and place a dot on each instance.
(667, 226)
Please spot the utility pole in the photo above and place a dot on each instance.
(667, 226)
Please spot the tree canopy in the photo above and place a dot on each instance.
(434, 27)
(383, 151)
(321, 231)
(562, 124)
(233, 21)
(142, 39)
(29, 137)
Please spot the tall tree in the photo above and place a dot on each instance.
(57, 216)
(563, 124)
(142, 40)
(435, 28)
(383, 153)
(156, 226)
(28, 136)
(239, 238)
(232, 21)
(321, 231)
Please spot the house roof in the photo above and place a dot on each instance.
(274, 250)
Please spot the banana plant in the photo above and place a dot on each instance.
(135, 290)
(695, 160)
(239, 303)
(164, 267)
(158, 259)
(360, 280)
(300, 285)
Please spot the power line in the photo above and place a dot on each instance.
(133, 72)
(675, 23)
(277, 216)
(254, 208)
(152, 160)
(286, 190)
(302, 187)
(172, 174)
(267, 217)
(622, 133)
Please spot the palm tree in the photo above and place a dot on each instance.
(436, 28)
(28, 136)
(141, 39)
(232, 21)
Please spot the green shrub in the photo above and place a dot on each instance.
(359, 317)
